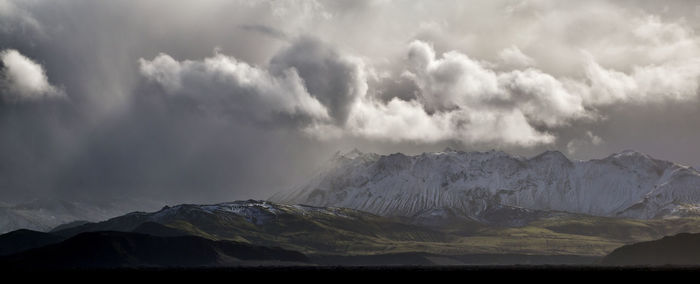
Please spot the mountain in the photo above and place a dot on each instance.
(301, 228)
(321, 231)
(156, 229)
(21, 240)
(126, 249)
(476, 184)
(155, 245)
(44, 214)
(682, 249)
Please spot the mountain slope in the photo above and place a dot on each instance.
(301, 228)
(21, 240)
(339, 231)
(626, 184)
(681, 249)
(44, 214)
(124, 249)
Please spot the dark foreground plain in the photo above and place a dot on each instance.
(332, 274)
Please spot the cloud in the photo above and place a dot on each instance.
(461, 99)
(22, 79)
(456, 81)
(674, 80)
(399, 121)
(457, 98)
(296, 80)
(335, 80)
(458, 95)
(514, 58)
(266, 30)
(222, 84)
(453, 97)
(452, 81)
(16, 19)
(590, 140)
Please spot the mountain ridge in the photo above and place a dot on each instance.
(342, 231)
(625, 184)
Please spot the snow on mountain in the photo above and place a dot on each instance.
(257, 212)
(625, 184)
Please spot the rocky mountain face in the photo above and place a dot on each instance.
(476, 184)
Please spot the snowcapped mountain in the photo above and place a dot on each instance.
(625, 184)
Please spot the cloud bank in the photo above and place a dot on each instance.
(127, 97)
(456, 97)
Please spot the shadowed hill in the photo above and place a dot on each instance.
(20, 240)
(124, 249)
(682, 249)
(341, 231)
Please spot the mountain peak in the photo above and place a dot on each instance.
(496, 154)
(354, 153)
(351, 155)
(629, 153)
(551, 154)
(449, 149)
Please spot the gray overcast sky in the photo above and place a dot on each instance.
(204, 101)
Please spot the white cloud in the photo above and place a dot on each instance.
(541, 97)
(456, 81)
(464, 114)
(400, 120)
(588, 141)
(674, 80)
(512, 57)
(461, 99)
(580, 57)
(457, 97)
(222, 83)
(452, 81)
(24, 79)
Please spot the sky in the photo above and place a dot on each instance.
(212, 100)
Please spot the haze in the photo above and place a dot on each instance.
(212, 101)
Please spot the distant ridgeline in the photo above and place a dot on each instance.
(475, 184)
(244, 233)
(440, 208)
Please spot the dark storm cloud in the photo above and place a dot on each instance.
(402, 88)
(117, 133)
(330, 78)
(215, 100)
